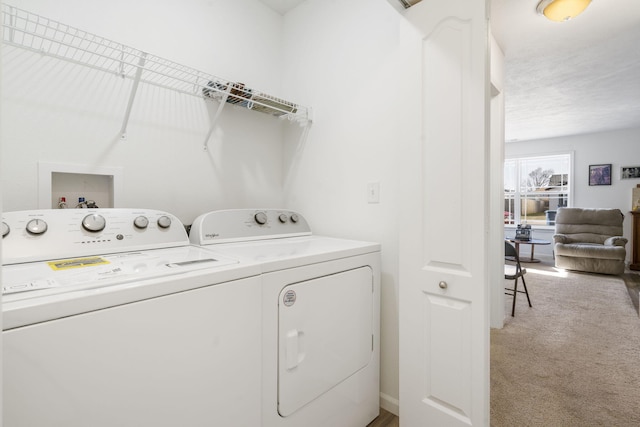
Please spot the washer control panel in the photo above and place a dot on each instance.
(46, 234)
(238, 225)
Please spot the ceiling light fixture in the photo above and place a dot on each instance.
(562, 10)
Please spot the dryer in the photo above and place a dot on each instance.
(112, 318)
(320, 315)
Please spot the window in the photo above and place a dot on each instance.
(534, 187)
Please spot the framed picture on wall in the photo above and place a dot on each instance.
(629, 172)
(600, 174)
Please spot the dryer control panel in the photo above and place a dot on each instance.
(237, 225)
(46, 234)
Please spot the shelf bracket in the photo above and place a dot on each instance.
(223, 101)
(132, 96)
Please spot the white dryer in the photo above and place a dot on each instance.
(112, 318)
(320, 315)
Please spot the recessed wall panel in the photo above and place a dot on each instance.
(444, 82)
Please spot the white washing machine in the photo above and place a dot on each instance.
(112, 318)
(320, 315)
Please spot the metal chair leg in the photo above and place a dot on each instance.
(526, 291)
(515, 294)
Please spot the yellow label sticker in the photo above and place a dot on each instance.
(65, 264)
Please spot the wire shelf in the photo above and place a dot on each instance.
(39, 34)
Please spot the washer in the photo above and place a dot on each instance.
(320, 315)
(112, 318)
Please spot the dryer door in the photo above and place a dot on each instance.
(325, 335)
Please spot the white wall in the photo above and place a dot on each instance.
(620, 148)
(59, 112)
(354, 61)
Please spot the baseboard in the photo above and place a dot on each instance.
(390, 404)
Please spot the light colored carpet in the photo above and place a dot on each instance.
(571, 360)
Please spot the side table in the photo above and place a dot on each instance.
(533, 243)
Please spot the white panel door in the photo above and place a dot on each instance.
(444, 328)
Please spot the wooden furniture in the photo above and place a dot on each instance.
(635, 240)
(533, 243)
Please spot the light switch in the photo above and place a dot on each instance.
(373, 192)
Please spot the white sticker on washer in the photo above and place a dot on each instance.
(289, 298)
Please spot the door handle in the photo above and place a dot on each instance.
(293, 356)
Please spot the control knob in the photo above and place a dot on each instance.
(35, 226)
(5, 229)
(260, 218)
(294, 217)
(283, 218)
(94, 222)
(141, 222)
(164, 221)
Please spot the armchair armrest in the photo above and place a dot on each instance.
(616, 241)
(561, 238)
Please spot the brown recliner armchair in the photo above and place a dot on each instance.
(590, 240)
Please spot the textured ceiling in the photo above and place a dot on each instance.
(575, 77)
